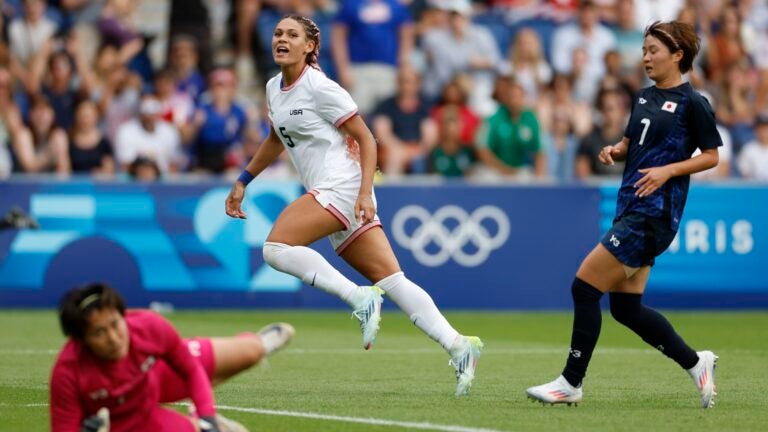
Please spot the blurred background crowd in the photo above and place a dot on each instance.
(489, 90)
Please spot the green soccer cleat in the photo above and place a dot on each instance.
(464, 360)
(369, 315)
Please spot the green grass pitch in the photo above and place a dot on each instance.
(324, 381)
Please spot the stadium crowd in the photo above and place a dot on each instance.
(491, 90)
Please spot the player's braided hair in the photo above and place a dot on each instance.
(313, 33)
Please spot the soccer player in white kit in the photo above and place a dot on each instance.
(314, 119)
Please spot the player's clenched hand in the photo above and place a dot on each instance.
(653, 179)
(364, 209)
(607, 154)
(235, 200)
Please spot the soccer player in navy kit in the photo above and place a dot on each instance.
(669, 121)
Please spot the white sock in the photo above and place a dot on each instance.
(420, 307)
(312, 269)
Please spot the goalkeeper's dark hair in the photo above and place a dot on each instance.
(677, 36)
(78, 303)
(312, 32)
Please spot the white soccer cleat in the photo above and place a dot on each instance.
(703, 375)
(465, 362)
(559, 391)
(369, 315)
(276, 336)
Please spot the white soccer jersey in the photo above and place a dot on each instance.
(305, 116)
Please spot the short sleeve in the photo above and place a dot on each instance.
(333, 103)
(703, 128)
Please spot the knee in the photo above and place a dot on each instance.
(583, 292)
(625, 307)
(271, 250)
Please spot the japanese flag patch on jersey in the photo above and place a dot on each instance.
(669, 106)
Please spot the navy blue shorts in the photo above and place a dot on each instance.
(636, 239)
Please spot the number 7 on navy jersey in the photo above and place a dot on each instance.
(288, 137)
(646, 123)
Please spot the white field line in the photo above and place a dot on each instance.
(361, 420)
(317, 416)
(393, 351)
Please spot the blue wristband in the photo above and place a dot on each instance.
(245, 177)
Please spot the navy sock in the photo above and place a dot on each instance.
(587, 319)
(652, 327)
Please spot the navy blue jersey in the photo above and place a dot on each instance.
(665, 127)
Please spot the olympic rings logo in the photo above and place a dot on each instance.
(451, 242)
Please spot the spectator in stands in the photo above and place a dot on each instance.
(462, 47)
(220, 126)
(41, 147)
(735, 107)
(177, 106)
(451, 157)
(117, 91)
(28, 34)
(403, 127)
(509, 142)
(609, 130)
(68, 77)
(144, 169)
(588, 34)
(628, 37)
(528, 65)
(183, 61)
(584, 84)
(149, 137)
(454, 96)
(560, 146)
(559, 95)
(10, 122)
(615, 78)
(117, 29)
(189, 21)
(89, 150)
(753, 160)
(727, 47)
(369, 39)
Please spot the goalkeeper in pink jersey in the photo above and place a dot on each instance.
(130, 362)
